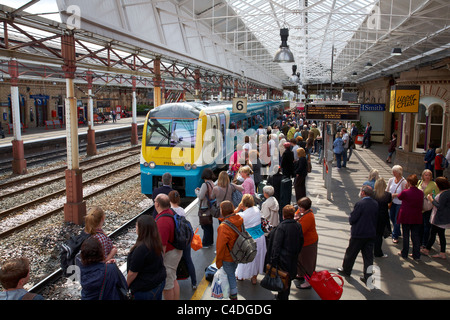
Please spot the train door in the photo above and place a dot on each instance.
(213, 149)
(223, 127)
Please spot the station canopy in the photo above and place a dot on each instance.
(342, 40)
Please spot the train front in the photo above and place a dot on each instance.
(169, 142)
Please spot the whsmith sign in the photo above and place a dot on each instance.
(373, 107)
(405, 99)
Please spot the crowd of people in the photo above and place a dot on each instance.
(249, 195)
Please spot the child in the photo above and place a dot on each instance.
(438, 161)
(14, 274)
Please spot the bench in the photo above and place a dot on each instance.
(97, 119)
(10, 127)
(58, 122)
(49, 123)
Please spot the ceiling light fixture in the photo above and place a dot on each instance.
(284, 54)
(368, 65)
(396, 52)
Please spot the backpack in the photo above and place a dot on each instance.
(183, 231)
(244, 249)
(70, 249)
(236, 197)
(444, 163)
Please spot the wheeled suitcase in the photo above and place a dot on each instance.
(285, 192)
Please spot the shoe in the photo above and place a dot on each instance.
(401, 255)
(341, 271)
(440, 255)
(395, 240)
(194, 287)
(424, 251)
(305, 285)
(364, 280)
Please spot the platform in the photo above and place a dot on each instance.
(400, 279)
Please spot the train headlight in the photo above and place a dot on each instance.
(152, 165)
(194, 166)
(187, 166)
(145, 164)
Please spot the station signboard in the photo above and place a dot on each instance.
(332, 111)
(404, 99)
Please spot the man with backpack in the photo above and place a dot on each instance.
(167, 228)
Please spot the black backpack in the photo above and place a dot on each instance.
(183, 230)
(70, 249)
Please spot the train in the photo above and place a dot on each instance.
(183, 138)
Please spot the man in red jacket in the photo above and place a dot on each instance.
(172, 256)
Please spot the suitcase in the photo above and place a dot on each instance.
(285, 192)
(325, 286)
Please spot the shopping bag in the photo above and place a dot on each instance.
(196, 242)
(325, 286)
(219, 287)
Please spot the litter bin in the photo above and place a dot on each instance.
(359, 139)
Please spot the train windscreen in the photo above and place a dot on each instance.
(171, 133)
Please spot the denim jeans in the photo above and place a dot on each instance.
(154, 294)
(338, 159)
(393, 214)
(230, 270)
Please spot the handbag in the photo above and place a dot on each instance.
(236, 197)
(196, 242)
(427, 205)
(390, 203)
(325, 286)
(275, 279)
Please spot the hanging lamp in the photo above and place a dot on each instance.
(284, 54)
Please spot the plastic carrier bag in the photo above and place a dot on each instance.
(220, 287)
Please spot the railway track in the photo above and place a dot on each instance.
(57, 209)
(118, 155)
(37, 159)
(58, 274)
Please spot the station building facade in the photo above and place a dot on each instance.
(416, 132)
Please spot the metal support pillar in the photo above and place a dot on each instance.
(19, 164)
(157, 83)
(75, 207)
(134, 131)
(197, 85)
(91, 146)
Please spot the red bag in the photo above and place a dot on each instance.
(325, 286)
(196, 243)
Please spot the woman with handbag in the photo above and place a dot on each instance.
(301, 171)
(284, 245)
(204, 194)
(395, 186)
(440, 217)
(410, 216)
(308, 256)
(146, 274)
(224, 189)
(428, 186)
(252, 223)
(226, 238)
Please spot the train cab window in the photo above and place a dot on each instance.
(158, 132)
(166, 132)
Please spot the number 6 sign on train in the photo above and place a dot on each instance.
(240, 105)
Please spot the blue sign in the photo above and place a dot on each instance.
(373, 107)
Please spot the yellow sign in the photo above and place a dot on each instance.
(404, 99)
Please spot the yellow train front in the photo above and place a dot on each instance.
(184, 138)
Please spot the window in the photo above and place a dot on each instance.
(428, 127)
(166, 132)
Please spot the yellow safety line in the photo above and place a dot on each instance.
(201, 288)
